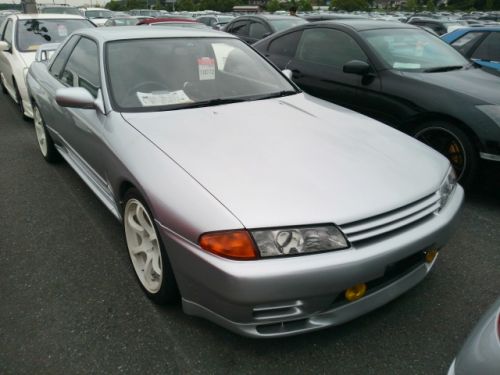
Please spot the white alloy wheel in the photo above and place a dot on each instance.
(143, 245)
(41, 136)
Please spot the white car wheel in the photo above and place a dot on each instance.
(40, 132)
(143, 245)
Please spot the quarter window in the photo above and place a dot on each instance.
(257, 30)
(82, 68)
(328, 47)
(489, 48)
(62, 56)
(465, 42)
(240, 28)
(285, 45)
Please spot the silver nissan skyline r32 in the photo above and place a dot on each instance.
(270, 212)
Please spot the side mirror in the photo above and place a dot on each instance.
(75, 97)
(287, 73)
(4, 46)
(357, 67)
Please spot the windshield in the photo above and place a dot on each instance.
(98, 14)
(32, 33)
(194, 25)
(286, 23)
(61, 10)
(413, 50)
(188, 72)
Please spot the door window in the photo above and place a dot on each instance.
(489, 49)
(285, 45)
(328, 47)
(7, 35)
(82, 68)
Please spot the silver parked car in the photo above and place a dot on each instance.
(272, 212)
(480, 353)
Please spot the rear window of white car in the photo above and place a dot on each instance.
(34, 32)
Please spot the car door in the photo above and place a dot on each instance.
(7, 58)
(83, 131)
(317, 66)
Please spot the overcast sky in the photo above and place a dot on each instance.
(69, 2)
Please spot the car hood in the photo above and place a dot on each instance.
(27, 58)
(294, 160)
(479, 85)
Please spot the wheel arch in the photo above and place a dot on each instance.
(413, 123)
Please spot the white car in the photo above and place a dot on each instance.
(21, 35)
(98, 16)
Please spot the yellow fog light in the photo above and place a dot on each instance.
(430, 255)
(356, 292)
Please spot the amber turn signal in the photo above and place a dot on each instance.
(356, 292)
(235, 244)
(430, 255)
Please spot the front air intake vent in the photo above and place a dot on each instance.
(277, 311)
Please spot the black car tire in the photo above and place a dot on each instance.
(454, 144)
(167, 292)
(44, 140)
(19, 100)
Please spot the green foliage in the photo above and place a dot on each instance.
(273, 6)
(115, 6)
(350, 5)
(186, 5)
(305, 5)
(430, 6)
(137, 4)
(411, 5)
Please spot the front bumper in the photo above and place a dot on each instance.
(288, 296)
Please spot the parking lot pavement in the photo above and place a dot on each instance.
(69, 302)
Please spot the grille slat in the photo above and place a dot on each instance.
(393, 220)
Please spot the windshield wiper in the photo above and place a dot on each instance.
(211, 102)
(443, 68)
(278, 94)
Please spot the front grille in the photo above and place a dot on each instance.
(393, 220)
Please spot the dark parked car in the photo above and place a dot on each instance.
(400, 75)
(253, 28)
(440, 27)
(480, 44)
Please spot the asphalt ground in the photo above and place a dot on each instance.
(70, 304)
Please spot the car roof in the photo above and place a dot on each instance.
(265, 16)
(50, 16)
(106, 34)
(166, 19)
(479, 28)
(367, 24)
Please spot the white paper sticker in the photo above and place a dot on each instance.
(206, 68)
(62, 31)
(400, 65)
(159, 98)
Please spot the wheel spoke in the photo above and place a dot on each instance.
(144, 247)
(135, 225)
(144, 222)
(156, 263)
(148, 264)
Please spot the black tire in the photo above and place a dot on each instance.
(49, 152)
(450, 141)
(20, 104)
(168, 291)
(4, 89)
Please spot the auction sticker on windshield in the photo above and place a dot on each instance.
(206, 68)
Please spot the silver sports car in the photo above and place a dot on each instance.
(270, 212)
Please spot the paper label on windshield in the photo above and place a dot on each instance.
(206, 68)
(62, 31)
(400, 65)
(160, 98)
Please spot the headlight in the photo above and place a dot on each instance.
(300, 240)
(492, 111)
(447, 186)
